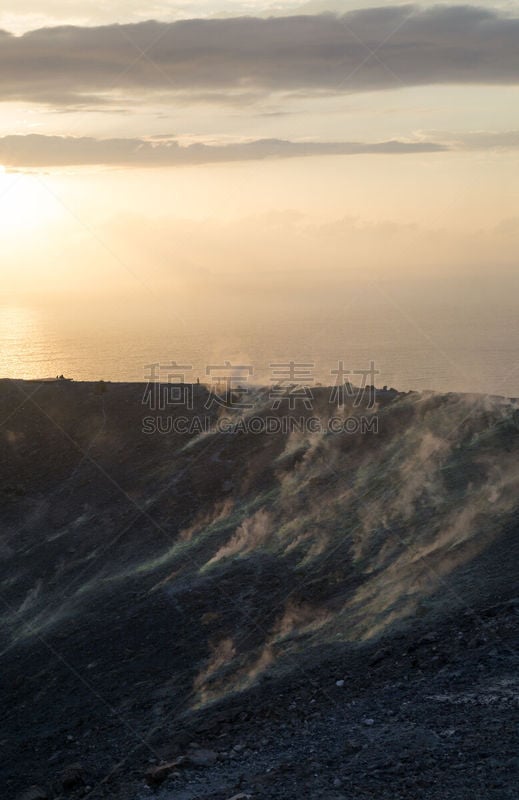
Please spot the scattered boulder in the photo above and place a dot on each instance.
(197, 757)
(157, 775)
(202, 758)
(72, 777)
(241, 796)
(351, 747)
(380, 656)
(429, 638)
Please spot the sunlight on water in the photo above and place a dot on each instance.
(444, 353)
(25, 345)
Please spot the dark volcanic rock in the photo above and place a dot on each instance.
(72, 777)
(157, 775)
(34, 793)
(202, 758)
(161, 590)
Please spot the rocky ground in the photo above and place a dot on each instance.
(222, 617)
(433, 716)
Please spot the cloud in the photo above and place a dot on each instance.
(35, 150)
(478, 140)
(309, 54)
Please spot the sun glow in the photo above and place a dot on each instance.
(26, 203)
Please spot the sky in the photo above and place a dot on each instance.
(189, 147)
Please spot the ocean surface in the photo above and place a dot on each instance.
(434, 347)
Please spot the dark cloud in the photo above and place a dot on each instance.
(34, 150)
(227, 57)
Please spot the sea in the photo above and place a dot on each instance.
(434, 347)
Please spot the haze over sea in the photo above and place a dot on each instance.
(419, 346)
